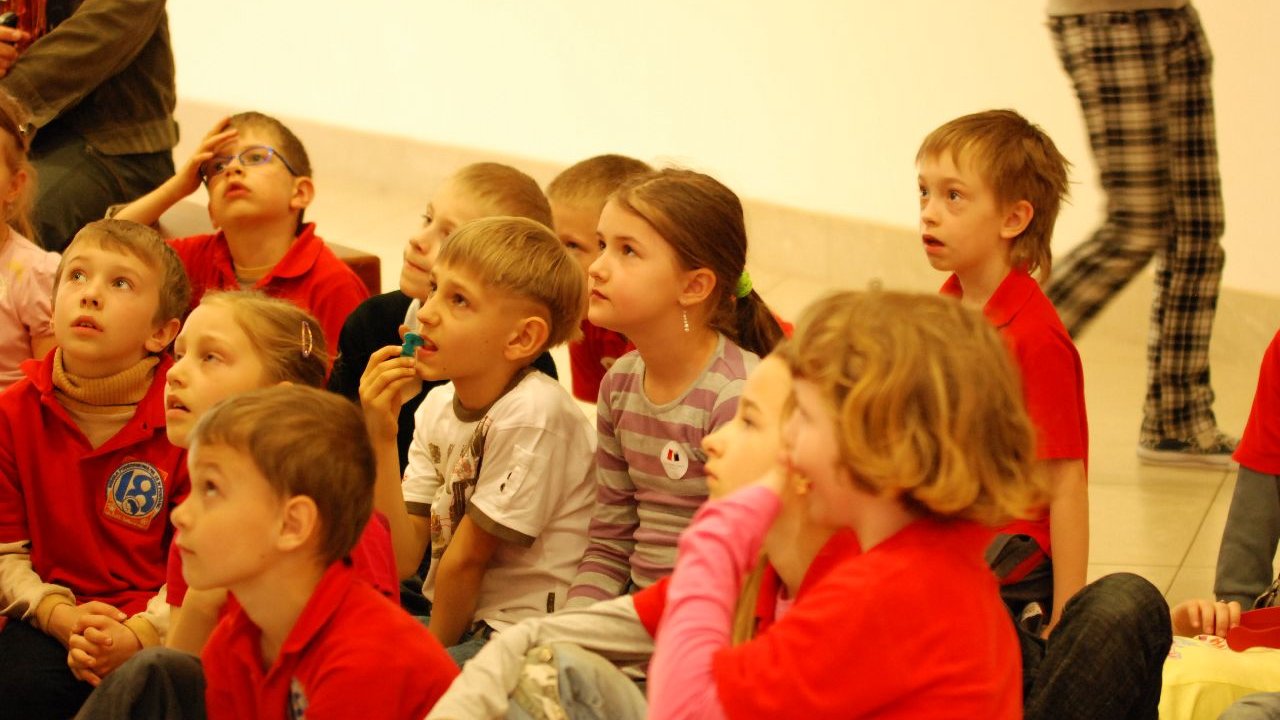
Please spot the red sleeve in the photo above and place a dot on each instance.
(1053, 387)
(1260, 446)
(13, 516)
(334, 301)
(650, 602)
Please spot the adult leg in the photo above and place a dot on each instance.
(1258, 706)
(154, 683)
(1117, 69)
(1192, 264)
(35, 681)
(1105, 659)
(1248, 550)
(76, 183)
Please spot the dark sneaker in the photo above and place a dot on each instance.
(1211, 450)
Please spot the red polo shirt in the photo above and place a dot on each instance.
(1052, 377)
(309, 275)
(97, 519)
(1259, 449)
(351, 654)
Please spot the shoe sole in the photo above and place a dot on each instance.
(1173, 458)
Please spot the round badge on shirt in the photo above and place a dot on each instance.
(675, 460)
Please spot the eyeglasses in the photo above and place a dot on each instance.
(250, 156)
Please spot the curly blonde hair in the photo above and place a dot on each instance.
(927, 402)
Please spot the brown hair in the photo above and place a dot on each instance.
(1020, 162)
(286, 338)
(926, 399)
(504, 190)
(305, 441)
(591, 181)
(286, 144)
(702, 221)
(145, 244)
(14, 121)
(520, 256)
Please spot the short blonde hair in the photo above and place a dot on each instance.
(504, 190)
(145, 244)
(523, 257)
(286, 338)
(305, 441)
(590, 182)
(1020, 162)
(927, 402)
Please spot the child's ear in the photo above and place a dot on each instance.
(1016, 219)
(528, 338)
(698, 286)
(304, 191)
(16, 184)
(163, 335)
(299, 523)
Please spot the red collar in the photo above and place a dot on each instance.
(150, 411)
(298, 261)
(325, 600)
(1012, 295)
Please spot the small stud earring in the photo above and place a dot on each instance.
(684, 317)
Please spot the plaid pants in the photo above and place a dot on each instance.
(1143, 79)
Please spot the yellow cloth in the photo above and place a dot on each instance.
(1203, 677)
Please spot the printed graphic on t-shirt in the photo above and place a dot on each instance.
(459, 481)
(135, 494)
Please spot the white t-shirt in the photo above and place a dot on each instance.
(523, 471)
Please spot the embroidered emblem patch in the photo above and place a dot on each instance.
(297, 700)
(135, 494)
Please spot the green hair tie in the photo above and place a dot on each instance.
(744, 285)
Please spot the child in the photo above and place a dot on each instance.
(908, 428)
(283, 483)
(621, 630)
(499, 477)
(671, 276)
(87, 476)
(577, 196)
(259, 180)
(990, 188)
(26, 270)
(1253, 524)
(476, 191)
(233, 342)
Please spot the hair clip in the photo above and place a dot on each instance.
(308, 341)
(744, 285)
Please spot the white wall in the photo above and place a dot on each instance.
(818, 104)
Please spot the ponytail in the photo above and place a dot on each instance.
(756, 328)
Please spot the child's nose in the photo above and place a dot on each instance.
(426, 313)
(179, 515)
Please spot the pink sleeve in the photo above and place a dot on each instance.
(716, 551)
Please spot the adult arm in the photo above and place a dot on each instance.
(716, 552)
(610, 628)
(97, 42)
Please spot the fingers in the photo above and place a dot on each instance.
(82, 667)
(97, 607)
(219, 127)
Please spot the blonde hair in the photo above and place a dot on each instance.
(145, 244)
(13, 119)
(522, 257)
(590, 182)
(1020, 162)
(927, 402)
(287, 339)
(305, 441)
(504, 191)
(702, 221)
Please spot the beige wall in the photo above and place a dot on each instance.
(817, 104)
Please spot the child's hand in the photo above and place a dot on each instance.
(1205, 617)
(99, 645)
(188, 179)
(388, 382)
(12, 42)
(64, 618)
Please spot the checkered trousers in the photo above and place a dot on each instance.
(1143, 79)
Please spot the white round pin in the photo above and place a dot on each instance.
(675, 460)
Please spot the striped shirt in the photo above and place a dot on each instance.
(649, 465)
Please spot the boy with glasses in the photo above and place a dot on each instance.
(259, 182)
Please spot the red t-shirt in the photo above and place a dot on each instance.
(592, 356)
(351, 654)
(97, 519)
(1052, 376)
(372, 559)
(309, 275)
(1259, 449)
(913, 628)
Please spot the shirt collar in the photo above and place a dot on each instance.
(1009, 298)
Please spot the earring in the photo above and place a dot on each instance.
(684, 317)
(801, 485)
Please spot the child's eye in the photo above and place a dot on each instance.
(954, 195)
(210, 489)
(122, 283)
(924, 193)
(601, 244)
(427, 218)
(76, 275)
(458, 300)
(211, 357)
(255, 156)
(573, 246)
(177, 355)
(627, 249)
(431, 288)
